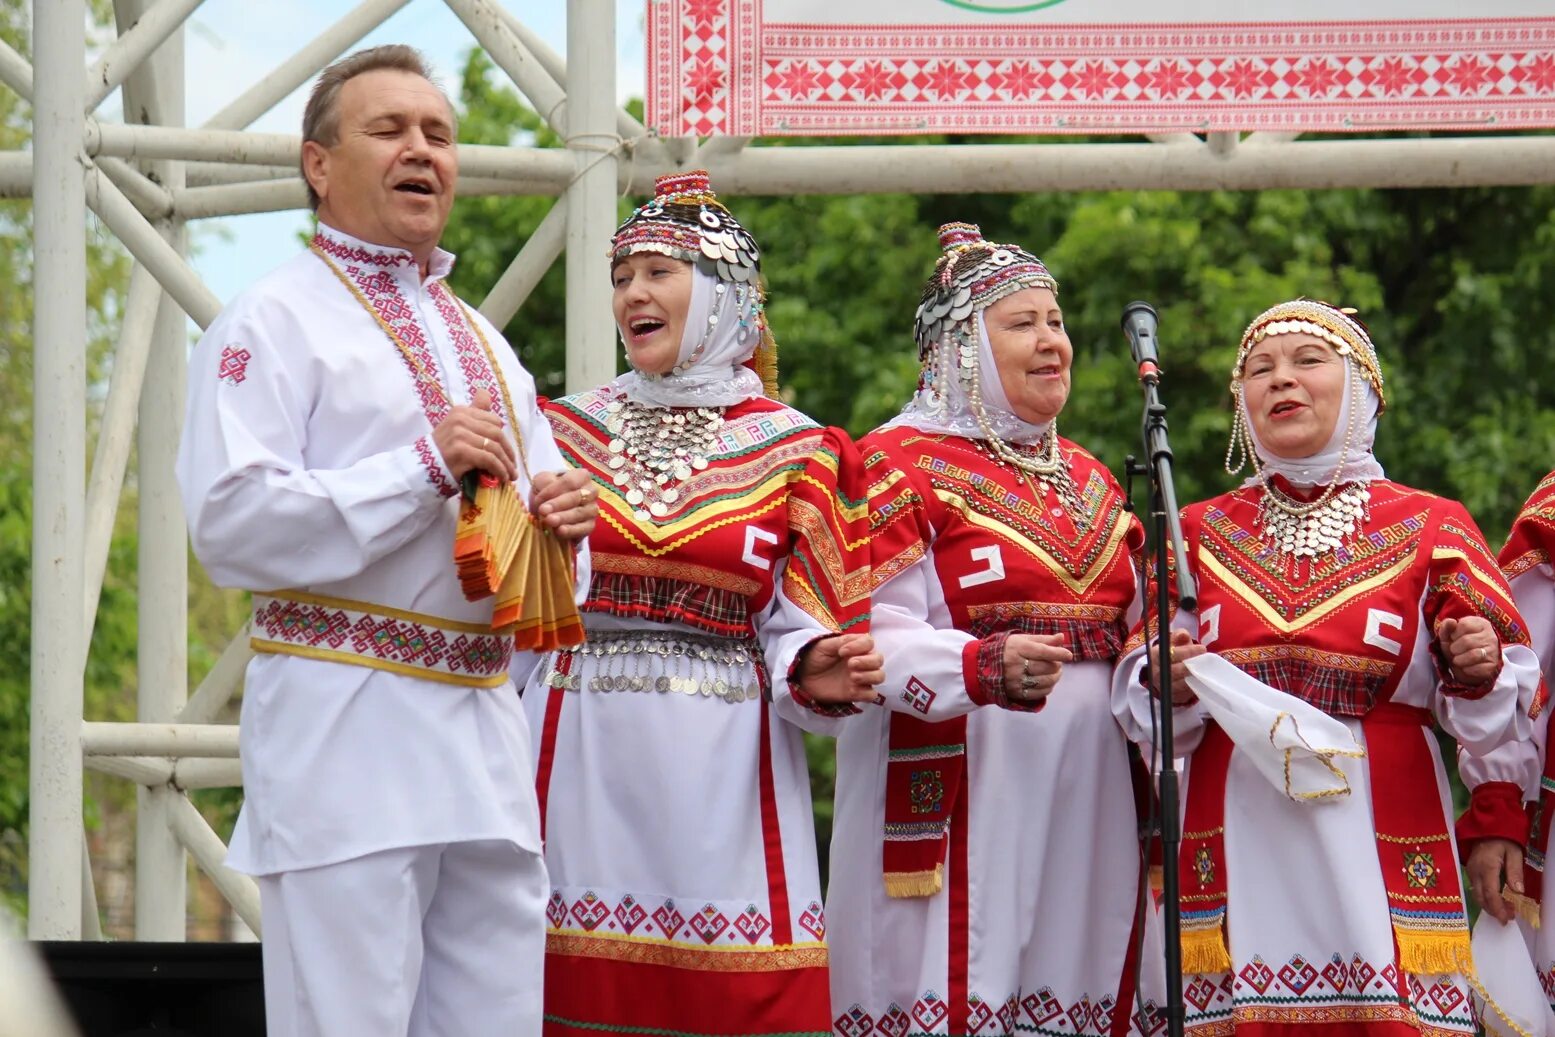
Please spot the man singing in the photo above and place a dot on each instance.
(334, 408)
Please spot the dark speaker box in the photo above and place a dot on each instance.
(134, 989)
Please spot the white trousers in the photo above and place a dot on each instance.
(426, 941)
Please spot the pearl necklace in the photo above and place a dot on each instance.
(1044, 466)
(654, 448)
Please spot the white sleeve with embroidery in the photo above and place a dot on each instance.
(1520, 761)
(783, 629)
(1135, 709)
(259, 519)
(924, 675)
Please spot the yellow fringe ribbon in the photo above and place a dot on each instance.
(1204, 951)
(1433, 952)
(766, 364)
(915, 883)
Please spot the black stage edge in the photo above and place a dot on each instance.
(134, 989)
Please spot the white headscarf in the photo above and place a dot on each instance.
(1357, 464)
(718, 377)
(945, 407)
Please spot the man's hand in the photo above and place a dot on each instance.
(566, 502)
(841, 668)
(1489, 861)
(471, 438)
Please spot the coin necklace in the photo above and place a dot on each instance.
(652, 449)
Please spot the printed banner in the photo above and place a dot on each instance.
(838, 67)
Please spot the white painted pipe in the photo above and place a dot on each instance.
(212, 174)
(91, 921)
(553, 63)
(591, 198)
(207, 773)
(132, 47)
(296, 70)
(15, 72)
(154, 201)
(15, 174)
(146, 245)
(528, 267)
(59, 471)
(116, 432)
(221, 683)
(485, 22)
(104, 738)
(142, 770)
(1015, 168)
(211, 854)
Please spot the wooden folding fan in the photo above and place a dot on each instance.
(501, 549)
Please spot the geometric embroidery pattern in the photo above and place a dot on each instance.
(918, 695)
(426, 453)
(1420, 869)
(927, 792)
(371, 272)
(717, 67)
(234, 364)
(388, 639)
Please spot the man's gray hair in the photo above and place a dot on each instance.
(321, 119)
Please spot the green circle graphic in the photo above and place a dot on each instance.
(1001, 6)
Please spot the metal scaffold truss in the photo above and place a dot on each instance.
(148, 176)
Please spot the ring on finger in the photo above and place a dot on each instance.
(1484, 655)
(485, 443)
(586, 494)
(1025, 666)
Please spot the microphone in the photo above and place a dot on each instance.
(1139, 325)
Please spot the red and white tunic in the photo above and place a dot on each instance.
(1343, 912)
(672, 777)
(1008, 835)
(1523, 770)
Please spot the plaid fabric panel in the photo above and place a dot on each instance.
(670, 601)
(1088, 640)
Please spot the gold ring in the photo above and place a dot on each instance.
(1484, 655)
(485, 443)
(586, 494)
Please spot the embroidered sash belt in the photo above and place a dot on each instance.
(664, 661)
(381, 638)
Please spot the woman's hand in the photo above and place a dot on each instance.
(841, 668)
(566, 502)
(1470, 648)
(1489, 861)
(1183, 648)
(1032, 665)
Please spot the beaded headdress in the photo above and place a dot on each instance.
(686, 221)
(1313, 528)
(971, 275)
(1340, 328)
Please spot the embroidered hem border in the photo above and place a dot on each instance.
(682, 956)
(381, 638)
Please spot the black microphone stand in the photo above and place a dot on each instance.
(1139, 322)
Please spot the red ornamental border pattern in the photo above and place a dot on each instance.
(714, 67)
